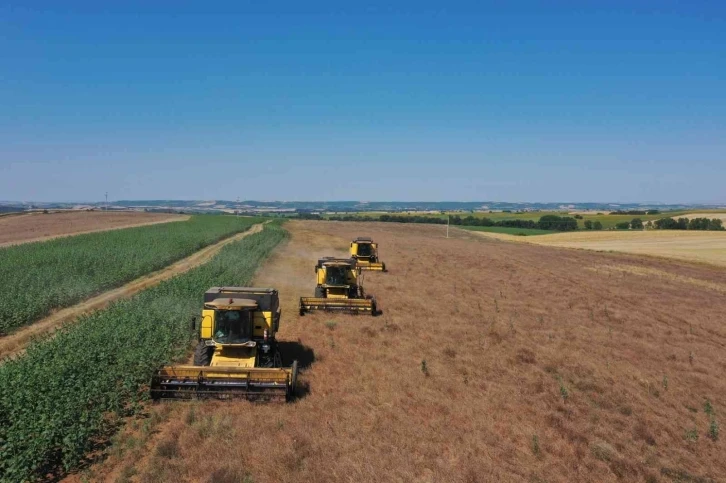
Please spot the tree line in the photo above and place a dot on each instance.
(635, 212)
(672, 224)
(714, 224)
(547, 222)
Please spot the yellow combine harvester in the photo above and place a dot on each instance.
(237, 355)
(338, 289)
(365, 252)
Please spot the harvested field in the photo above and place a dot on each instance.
(40, 226)
(492, 361)
(699, 246)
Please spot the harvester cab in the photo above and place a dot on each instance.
(365, 252)
(237, 355)
(339, 288)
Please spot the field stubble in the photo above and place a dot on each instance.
(491, 362)
(698, 246)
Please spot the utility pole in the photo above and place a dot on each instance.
(106, 200)
(237, 207)
(448, 220)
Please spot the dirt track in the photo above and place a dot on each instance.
(39, 226)
(492, 361)
(14, 343)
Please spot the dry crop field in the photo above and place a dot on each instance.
(699, 246)
(42, 226)
(492, 361)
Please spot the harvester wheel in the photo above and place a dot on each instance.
(292, 388)
(319, 292)
(203, 354)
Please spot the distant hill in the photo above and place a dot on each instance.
(254, 206)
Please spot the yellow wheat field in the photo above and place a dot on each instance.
(701, 246)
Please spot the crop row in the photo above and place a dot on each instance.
(36, 278)
(59, 397)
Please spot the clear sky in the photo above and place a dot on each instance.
(532, 101)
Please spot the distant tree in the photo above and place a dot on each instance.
(623, 225)
(699, 224)
(597, 225)
(578, 217)
(649, 225)
(665, 224)
(588, 224)
(559, 223)
(686, 224)
(628, 212)
(636, 224)
(653, 212)
(485, 222)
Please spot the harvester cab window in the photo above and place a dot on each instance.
(336, 275)
(233, 326)
(364, 250)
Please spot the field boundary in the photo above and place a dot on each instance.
(14, 344)
(174, 219)
(682, 253)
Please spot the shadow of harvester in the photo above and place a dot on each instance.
(304, 355)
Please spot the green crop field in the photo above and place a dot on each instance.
(36, 278)
(65, 392)
(508, 230)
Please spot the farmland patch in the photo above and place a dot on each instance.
(36, 278)
(31, 227)
(491, 362)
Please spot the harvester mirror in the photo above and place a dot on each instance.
(194, 323)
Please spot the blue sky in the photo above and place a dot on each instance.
(532, 101)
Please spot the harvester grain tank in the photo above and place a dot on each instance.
(338, 289)
(237, 356)
(365, 252)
